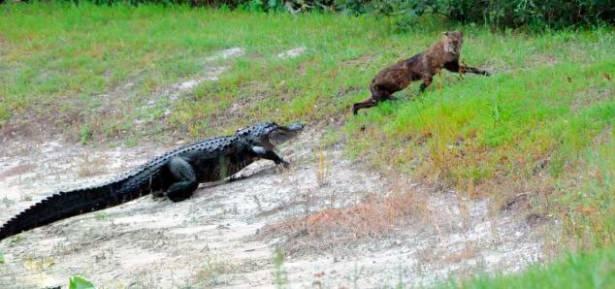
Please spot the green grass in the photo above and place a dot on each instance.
(543, 124)
(78, 282)
(595, 270)
(68, 61)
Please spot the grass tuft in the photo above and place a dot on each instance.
(580, 270)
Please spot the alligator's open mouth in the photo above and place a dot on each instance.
(282, 134)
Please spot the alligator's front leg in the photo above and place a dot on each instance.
(264, 153)
(186, 182)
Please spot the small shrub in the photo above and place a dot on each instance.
(503, 13)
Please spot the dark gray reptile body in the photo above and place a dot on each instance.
(175, 174)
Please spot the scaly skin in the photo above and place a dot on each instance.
(175, 175)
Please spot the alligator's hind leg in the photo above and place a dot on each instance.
(186, 182)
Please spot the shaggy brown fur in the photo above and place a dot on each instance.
(423, 66)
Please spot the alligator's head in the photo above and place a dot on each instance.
(270, 133)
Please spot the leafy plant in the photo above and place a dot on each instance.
(1, 258)
(78, 282)
(519, 13)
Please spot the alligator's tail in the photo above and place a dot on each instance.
(67, 204)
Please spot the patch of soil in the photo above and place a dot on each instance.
(334, 228)
(292, 53)
(213, 239)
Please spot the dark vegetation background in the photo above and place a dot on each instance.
(532, 14)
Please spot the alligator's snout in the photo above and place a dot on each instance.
(284, 133)
(297, 126)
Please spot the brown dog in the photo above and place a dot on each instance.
(423, 66)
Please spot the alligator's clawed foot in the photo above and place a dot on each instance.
(158, 196)
(285, 164)
(281, 166)
(235, 178)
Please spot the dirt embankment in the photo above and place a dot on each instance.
(336, 223)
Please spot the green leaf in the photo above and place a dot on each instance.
(1, 258)
(78, 282)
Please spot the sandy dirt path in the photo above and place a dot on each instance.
(214, 239)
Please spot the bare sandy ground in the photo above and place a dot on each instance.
(222, 237)
(212, 239)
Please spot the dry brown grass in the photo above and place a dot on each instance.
(16, 170)
(89, 167)
(469, 251)
(322, 174)
(372, 218)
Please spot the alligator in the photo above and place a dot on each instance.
(174, 175)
